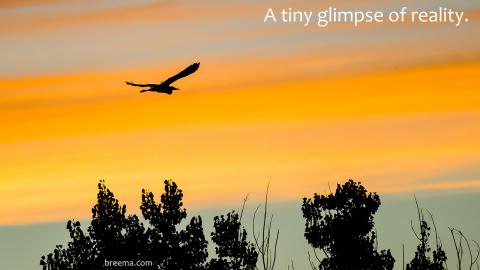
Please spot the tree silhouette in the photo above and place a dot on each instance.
(106, 238)
(169, 248)
(422, 259)
(114, 236)
(233, 249)
(342, 226)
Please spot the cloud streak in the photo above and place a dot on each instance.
(390, 106)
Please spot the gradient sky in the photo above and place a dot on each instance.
(396, 106)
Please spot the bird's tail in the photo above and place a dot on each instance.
(144, 90)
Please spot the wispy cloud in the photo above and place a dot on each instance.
(391, 106)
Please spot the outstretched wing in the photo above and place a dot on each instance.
(189, 70)
(140, 85)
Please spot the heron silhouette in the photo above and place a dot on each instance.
(166, 87)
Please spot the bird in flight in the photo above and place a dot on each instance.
(166, 87)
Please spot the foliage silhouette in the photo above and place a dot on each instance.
(342, 226)
(339, 224)
(422, 259)
(233, 250)
(169, 248)
(114, 236)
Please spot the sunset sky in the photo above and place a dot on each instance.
(396, 106)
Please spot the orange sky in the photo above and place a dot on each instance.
(398, 112)
(391, 130)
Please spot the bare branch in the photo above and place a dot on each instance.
(312, 265)
(263, 238)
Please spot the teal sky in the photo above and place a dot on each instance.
(22, 246)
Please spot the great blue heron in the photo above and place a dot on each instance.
(165, 86)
